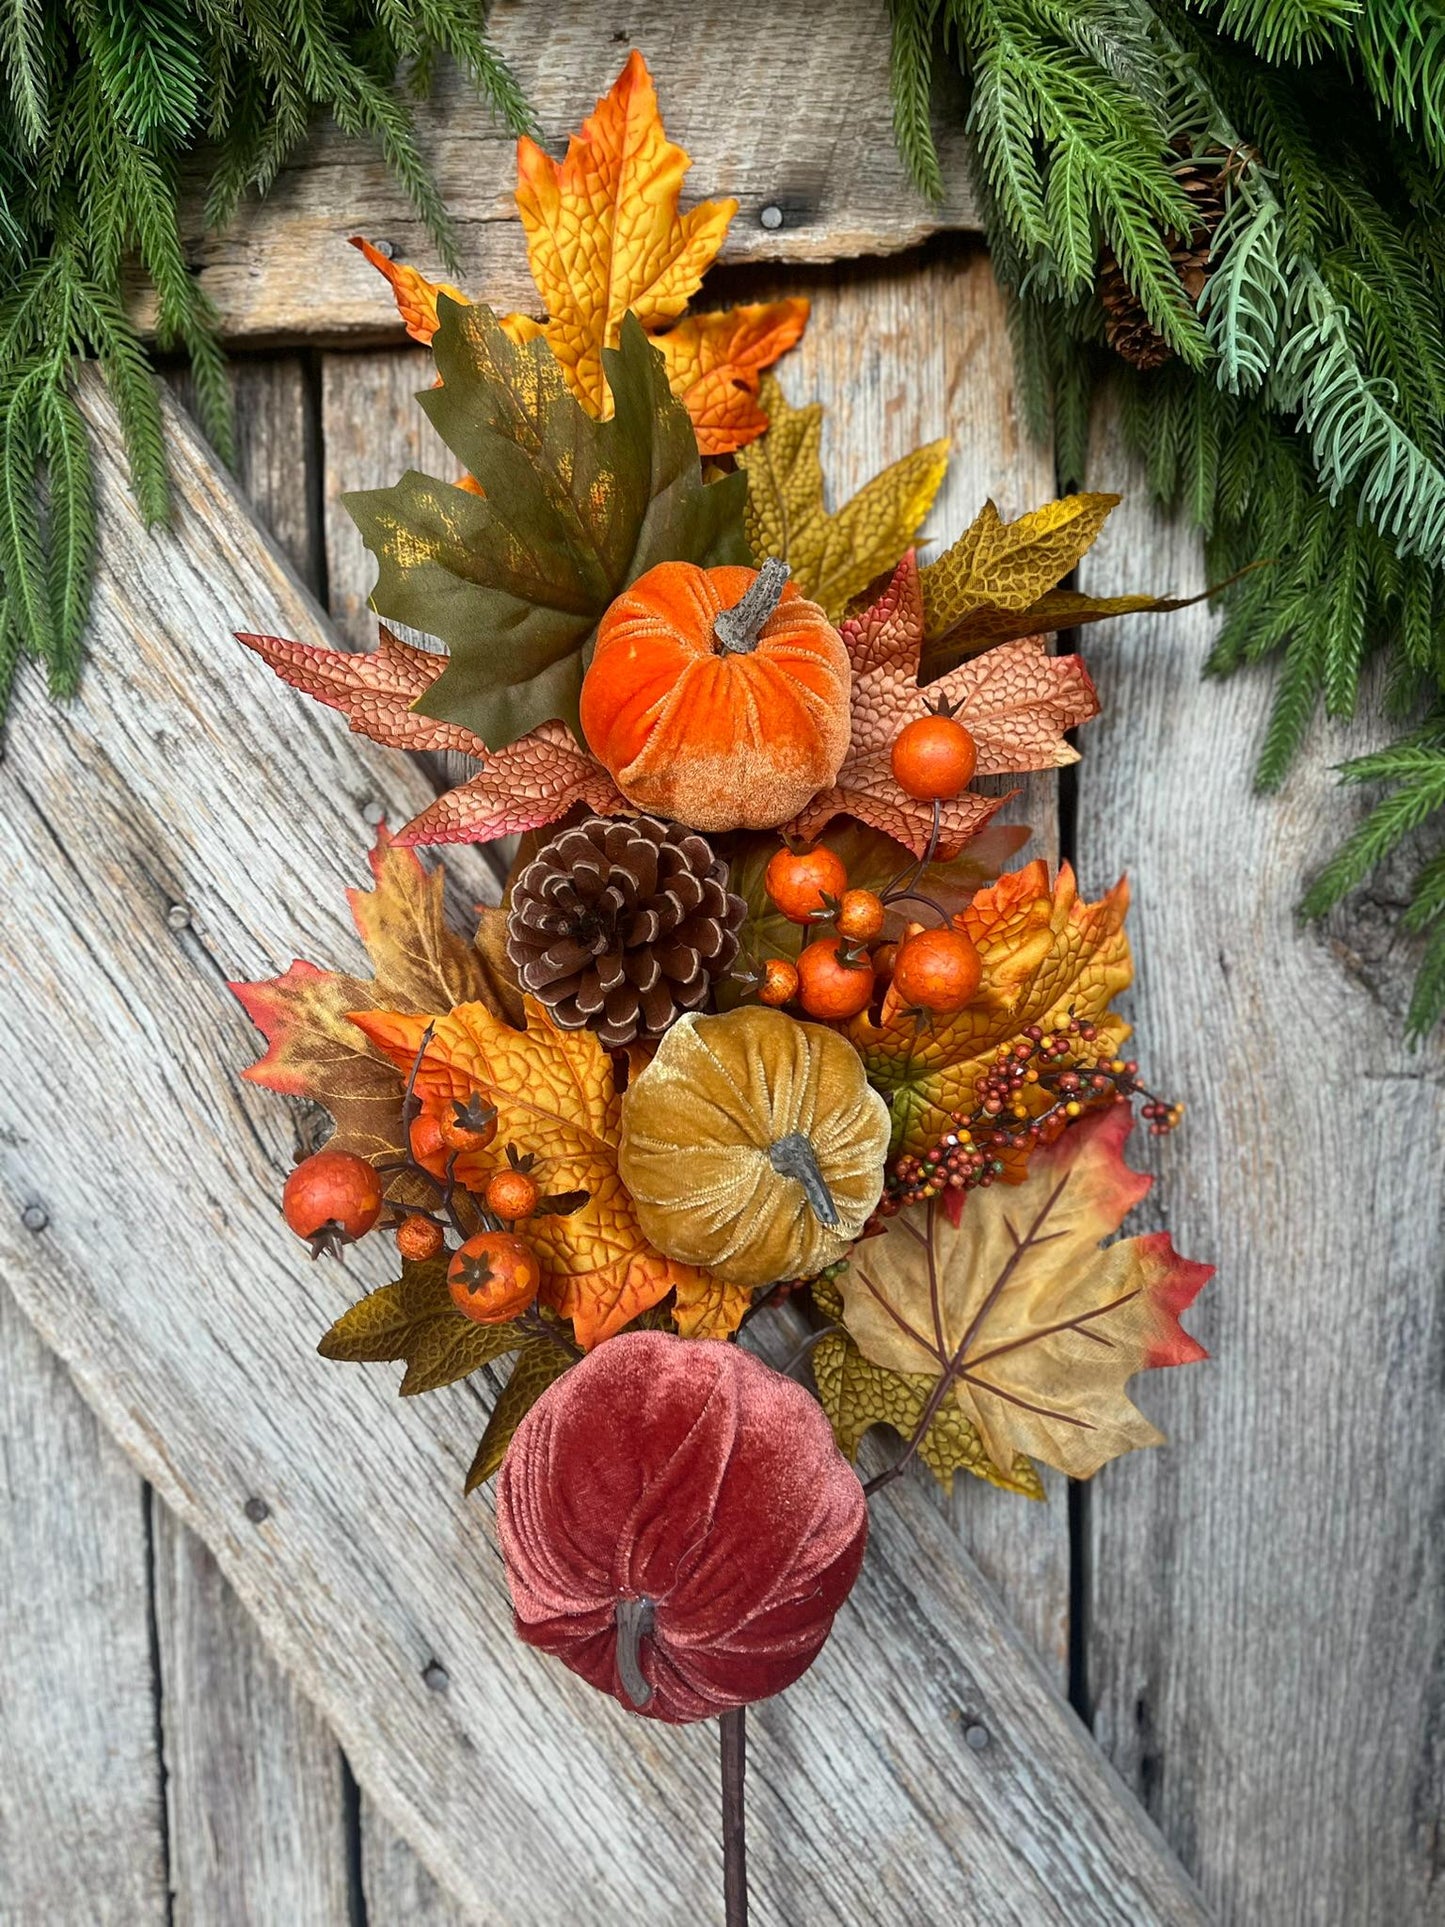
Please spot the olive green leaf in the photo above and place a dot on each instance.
(539, 1362)
(515, 578)
(415, 1319)
(856, 1395)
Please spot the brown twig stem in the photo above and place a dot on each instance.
(732, 1728)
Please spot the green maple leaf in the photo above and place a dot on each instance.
(856, 1395)
(538, 1363)
(515, 580)
(415, 1319)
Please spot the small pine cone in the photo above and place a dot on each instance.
(1126, 326)
(621, 923)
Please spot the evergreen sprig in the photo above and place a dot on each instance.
(101, 102)
(1302, 417)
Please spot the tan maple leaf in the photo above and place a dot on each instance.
(1019, 1317)
(1016, 701)
(833, 556)
(556, 1099)
(531, 782)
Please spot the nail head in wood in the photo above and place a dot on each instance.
(257, 1510)
(435, 1677)
(976, 1737)
(35, 1217)
(771, 217)
(179, 916)
(373, 813)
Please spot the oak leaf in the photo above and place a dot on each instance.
(833, 557)
(1046, 956)
(514, 580)
(1029, 1327)
(856, 1394)
(604, 235)
(420, 964)
(998, 581)
(555, 1098)
(530, 783)
(1016, 702)
(416, 1320)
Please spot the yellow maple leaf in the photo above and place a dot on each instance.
(604, 234)
(416, 297)
(556, 1098)
(834, 557)
(1046, 954)
(1017, 1314)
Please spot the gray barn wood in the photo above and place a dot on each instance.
(173, 1292)
(1267, 1605)
(784, 108)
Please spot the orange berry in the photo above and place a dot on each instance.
(427, 1144)
(933, 758)
(860, 916)
(470, 1126)
(831, 986)
(332, 1198)
(419, 1238)
(780, 982)
(493, 1277)
(799, 880)
(512, 1194)
(937, 970)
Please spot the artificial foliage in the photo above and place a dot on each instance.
(1247, 197)
(765, 1025)
(102, 103)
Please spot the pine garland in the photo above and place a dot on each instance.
(1301, 416)
(101, 102)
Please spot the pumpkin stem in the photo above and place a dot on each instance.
(794, 1157)
(736, 631)
(635, 1619)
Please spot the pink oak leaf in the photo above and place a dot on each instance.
(530, 783)
(1016, 700)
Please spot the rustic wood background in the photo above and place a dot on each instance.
(275, 1553)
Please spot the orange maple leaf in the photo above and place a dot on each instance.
(604, 237)
(1016, 701)
(556, 1098)
(1046, 954)
(522, 787)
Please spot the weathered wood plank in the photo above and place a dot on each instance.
(82, 1818)
(399, 1890)
(1268, 1609)
(783, 108)
(174, 777)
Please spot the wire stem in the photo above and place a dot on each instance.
(732, 1728)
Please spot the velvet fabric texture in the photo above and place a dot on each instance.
(689, 1483)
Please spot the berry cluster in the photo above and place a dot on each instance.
(1034, 1089)
(333, 1198)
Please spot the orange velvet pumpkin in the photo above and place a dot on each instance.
(718, 696)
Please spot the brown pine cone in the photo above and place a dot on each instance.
(621, 923)
(1126, 326)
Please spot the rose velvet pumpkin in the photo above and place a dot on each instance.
(753, 1145)
(718, 696)
(678, 1525)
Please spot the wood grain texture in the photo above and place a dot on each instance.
(178, 777)
(779, 107)
(1267, 1602)
(399, 1890)
(82, 1819)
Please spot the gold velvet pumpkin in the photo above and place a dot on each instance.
(753, 1145)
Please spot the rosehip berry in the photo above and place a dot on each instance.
(493, 1277)
(860, 916)
(331, 1199)
(470, 1126)
(832, 985)
(780, 982)
(798, 881)
(419, 1238)
(933, 758)
(937, 970)
(512, 1194)
(427, 1144)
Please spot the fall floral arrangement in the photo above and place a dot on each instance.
(762, 1014)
